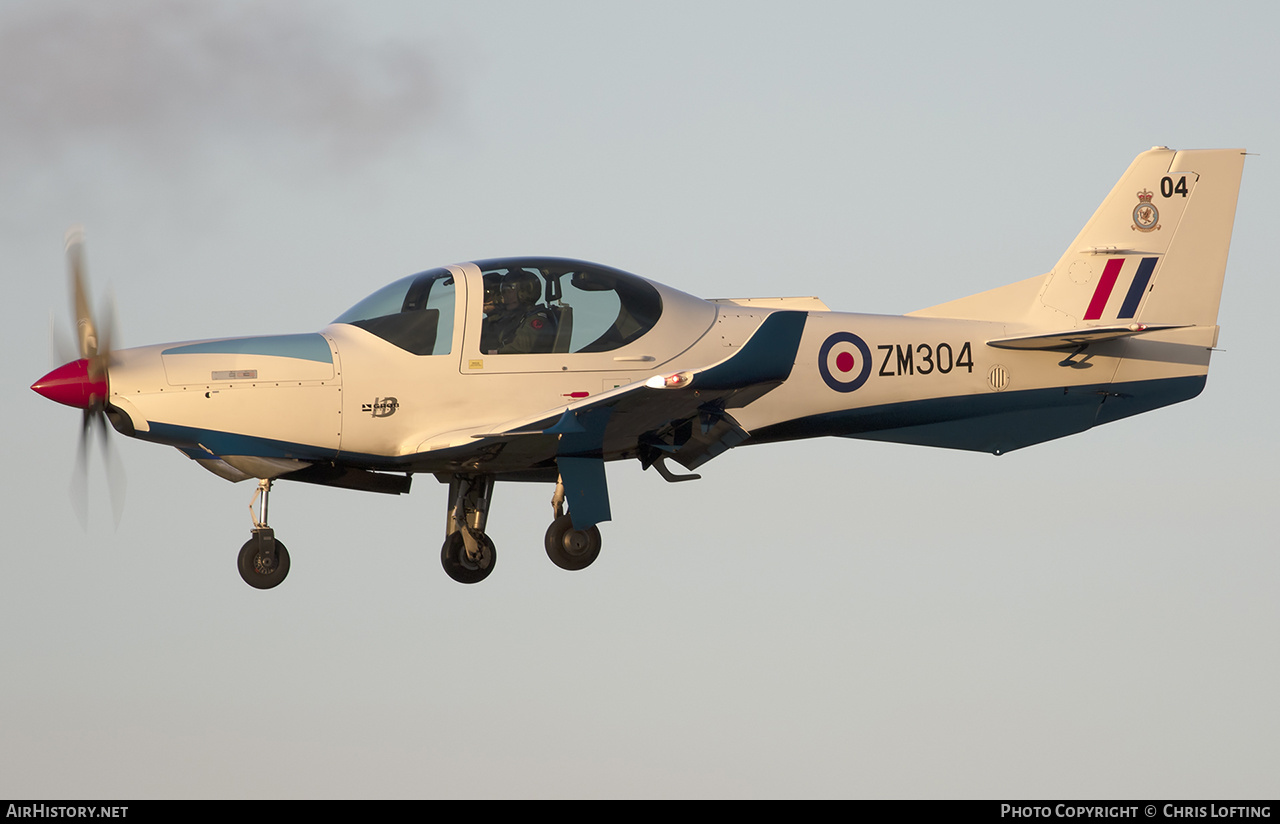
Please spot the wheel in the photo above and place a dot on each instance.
(570, 548)
(453, 557)
(255, 572)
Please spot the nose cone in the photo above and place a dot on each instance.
(71, 384)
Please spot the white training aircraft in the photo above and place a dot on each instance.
(543, 369)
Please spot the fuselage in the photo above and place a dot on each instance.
(350, 395)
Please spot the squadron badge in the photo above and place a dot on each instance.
(1146, 218)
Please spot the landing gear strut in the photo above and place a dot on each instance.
(263, 561)
(570, 548)
(468, 554)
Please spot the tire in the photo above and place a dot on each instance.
(453, 557)
(252, 569)
(570, 548)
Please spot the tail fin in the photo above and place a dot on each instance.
(1155, 252)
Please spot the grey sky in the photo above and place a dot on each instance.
(173, 79)
(1090, 618)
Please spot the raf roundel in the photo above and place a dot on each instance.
(844, 361)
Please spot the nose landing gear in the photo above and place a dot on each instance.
(263, 561)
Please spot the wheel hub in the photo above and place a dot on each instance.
(576, 542)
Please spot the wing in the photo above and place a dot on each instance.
(685, 414)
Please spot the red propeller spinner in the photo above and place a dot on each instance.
(74, 384)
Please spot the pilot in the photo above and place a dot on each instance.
(523, 325)
(492, 313)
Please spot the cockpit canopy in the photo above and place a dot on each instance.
(530, 306)
(415, 313)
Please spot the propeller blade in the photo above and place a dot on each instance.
(86, 332)
(93, 425)
(100, 365)
(79, 490)
(116, 482)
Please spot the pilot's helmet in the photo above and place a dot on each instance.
(526, 285)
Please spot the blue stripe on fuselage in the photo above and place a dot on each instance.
(190, 440)
(996, 422)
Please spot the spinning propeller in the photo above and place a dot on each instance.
(83, 384)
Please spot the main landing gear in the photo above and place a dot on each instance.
(569, 548)
(263, 561)
(468, 554)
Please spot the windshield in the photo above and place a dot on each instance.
(414, 313)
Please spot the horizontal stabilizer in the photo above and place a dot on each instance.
(1071, 338)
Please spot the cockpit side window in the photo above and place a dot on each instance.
(414, 313)
(552, 305)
